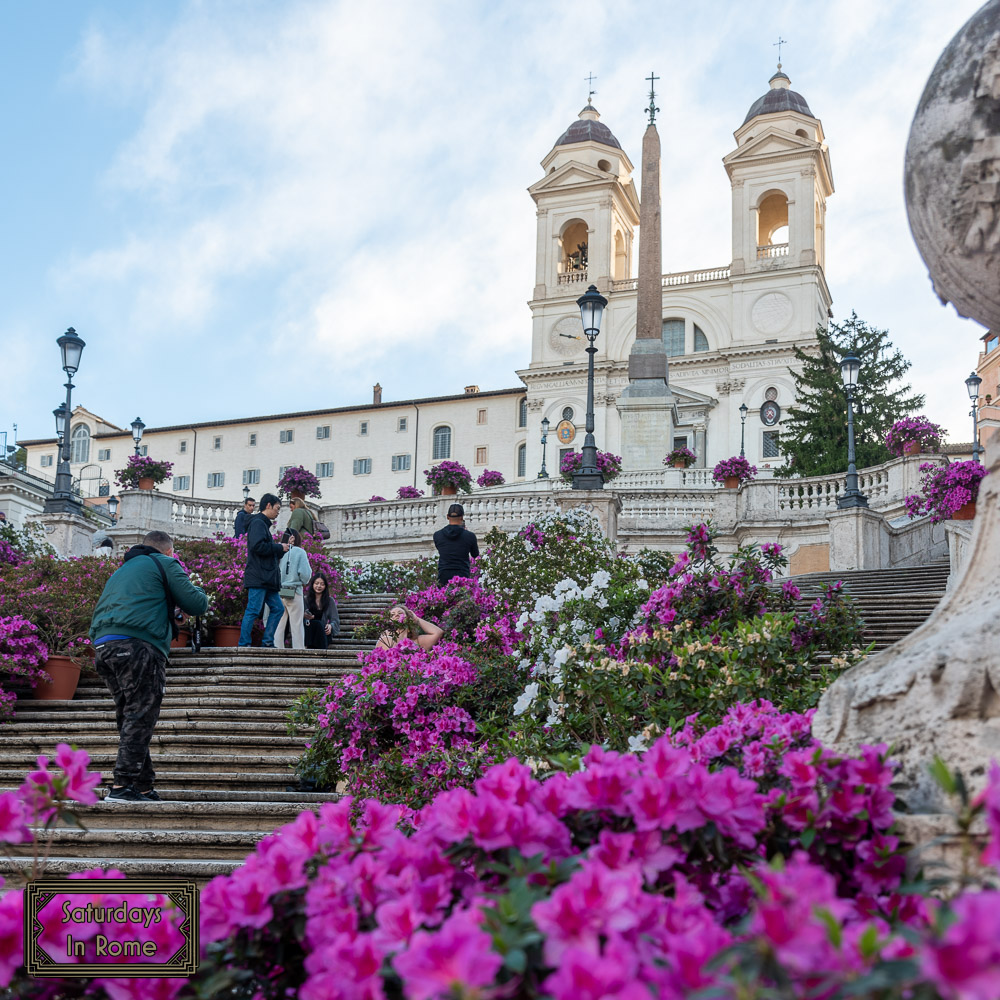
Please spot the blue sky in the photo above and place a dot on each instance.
(248, 207)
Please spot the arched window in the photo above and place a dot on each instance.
(522, 413)
(442, 443)
(574, 246)
(772, 220)
(522, 461)
(79, 444)
(700, 340)
(620, 257)
(673, 336)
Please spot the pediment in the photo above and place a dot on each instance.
(571, 175)
(770, 142)
(688, 397)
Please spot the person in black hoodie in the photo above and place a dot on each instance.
(455, 544)
(262, 577)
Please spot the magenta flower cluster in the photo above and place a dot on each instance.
(451, 474)
(914, 430)
(608, 465)
(409, 493)
(300, 479)
(736, 467)
(490, 478)
(9, 556)
(22, 652)
(142, 467)
(533, 535)
(685, 455)
(376, 499)
(944, 489)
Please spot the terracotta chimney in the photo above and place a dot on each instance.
(471, 390)
(377, 393)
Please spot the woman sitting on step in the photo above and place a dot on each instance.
(409, 626)
(321, 614)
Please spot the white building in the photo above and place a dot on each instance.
(730, 331)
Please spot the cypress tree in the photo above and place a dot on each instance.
(814, 433)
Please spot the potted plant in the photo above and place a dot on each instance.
(142, 473)
(297, 481)
(608, 465)
(947, 492)
(22, 654)
(409, 493)
(447, 478)
(376, 499)
(680, 458)
(732, 472)
(216, 565)
(913, 435)
(490, 478)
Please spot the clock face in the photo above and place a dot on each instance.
(566, 337)
(770, 413)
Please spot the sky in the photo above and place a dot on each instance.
(250, 207)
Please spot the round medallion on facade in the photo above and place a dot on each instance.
(770, 393)
(771, 313)
(770, 413)
(566, 337)
(565, 431)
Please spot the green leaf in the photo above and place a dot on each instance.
(940, 773)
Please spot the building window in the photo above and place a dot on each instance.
(324, 469)
(182, 483)
(673, 336)
(992, 343)
(216, 480)
(251, 477)
(522, 460)
(362, 466)
(144, 450)
(363, 428)
(442, 443)
(286, 437)
(252, 441)
(401, 426)
(46, 461)
(700, 340)
(79, 444)
(481, 455)
(522, 413)
(567, 413)
(217, 443)
(323, 433)
(183, 447)
(400, 463)
(681, 442)
(103, 454)
(563, 452)
(481, 416)
(771, 448)
(282, 469)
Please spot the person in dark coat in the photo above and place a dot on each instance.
(321, 613)
(262, 576)
(243, 517)
(455, 545)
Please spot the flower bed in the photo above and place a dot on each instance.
(608, 465)
(452, 475)
(297, 479)
(142, 467)
(945, 489)
(917, 431)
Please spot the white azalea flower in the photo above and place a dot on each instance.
(636, 744)
(527, 697)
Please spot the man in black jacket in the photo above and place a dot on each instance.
(243, 517)
(262, 577)
(455, 544)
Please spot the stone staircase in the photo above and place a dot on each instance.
(892, 602)
(223, 759)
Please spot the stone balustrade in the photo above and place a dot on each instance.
(675, 278)
(210, 515)
(772, 250)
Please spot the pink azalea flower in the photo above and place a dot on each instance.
(965, 963)
(13, 819)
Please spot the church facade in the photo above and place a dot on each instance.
(729, 334)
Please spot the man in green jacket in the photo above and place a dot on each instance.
(131, 632)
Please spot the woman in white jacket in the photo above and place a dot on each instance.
(295, 574)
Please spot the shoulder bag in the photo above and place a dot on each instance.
(287, 591)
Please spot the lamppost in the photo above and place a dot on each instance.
(545, 436)
(246, 492)
(972, 383)
(137, 428)
(62, 500)
(113, 509)
(744, 410)
(591, 303)
(850, 367)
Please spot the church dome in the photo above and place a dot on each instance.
(779, 98)
(589, 128)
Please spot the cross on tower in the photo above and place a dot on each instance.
(590, 87)
(652, 109)
(781, 41)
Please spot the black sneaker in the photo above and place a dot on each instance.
(126, 794)
(150, 795)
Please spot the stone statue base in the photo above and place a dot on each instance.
(648, 420)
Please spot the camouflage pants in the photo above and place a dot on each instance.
(136, 675)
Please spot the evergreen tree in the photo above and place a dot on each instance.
(814, 433)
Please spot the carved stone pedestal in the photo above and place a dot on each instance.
(604, 505)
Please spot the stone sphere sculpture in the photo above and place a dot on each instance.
(952, 174)
(937, 692)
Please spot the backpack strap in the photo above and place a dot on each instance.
(174, 630)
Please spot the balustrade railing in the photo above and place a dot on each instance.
(675, 278)
(204, 514)
(772, 250)
(571, 277)
(653, 507)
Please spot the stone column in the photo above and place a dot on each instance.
(858, 540)
(69, 534)
(604, 504)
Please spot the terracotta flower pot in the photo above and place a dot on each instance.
(732, 482)
(679, 463)
(449, 491)
(146, 483)
(227, 635)
(297, 494)
(966, 512)
(65, 676)
(183, 639)
(911, 448)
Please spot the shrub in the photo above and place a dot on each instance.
(910, 430)
(736, 467)
(608, 465)
(22, 652)
(685, 455)
(450, 474)
(384, 576)
(944, 489)
(142, 467)
(299, 479)
(17, 545)
(490, 478)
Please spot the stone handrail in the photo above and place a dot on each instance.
(772, 250)
(676, 278)
(571, 277)
(217, 515)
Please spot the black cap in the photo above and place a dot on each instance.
(456, 510)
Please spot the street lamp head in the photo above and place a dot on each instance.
(60, 414)
(112, 507)
(850, 366)
(137, 428)
(972, 383)
(72, 347)
(246, 493)
(545, 425)
(744, 410)
(591, 305)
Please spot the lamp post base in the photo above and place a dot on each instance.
(62, 505)
(852, 498)
(588, 481)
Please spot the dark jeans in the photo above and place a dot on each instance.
(257, 597)
(136, 675)
(316, 637)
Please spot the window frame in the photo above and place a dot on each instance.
(77, 443)
(447, 430)
(103, 454)
(46, 461)
(251, 439)
(221, 484)
(323, 432)
(286, 436)
(401, 425)
(324, 475)
(251, 477)
(484, 450)
(363, 428)
(358, 470)
(398, 465)
(521, 460)
(767, 435)
(181, 483)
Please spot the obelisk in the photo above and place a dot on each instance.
(646, 406)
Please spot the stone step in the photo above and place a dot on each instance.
(200, 871)
(179, 742)
(46, 732)
(145, 844)
(172, 701)
(101, 713)
(247, 765)
(175, 780)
